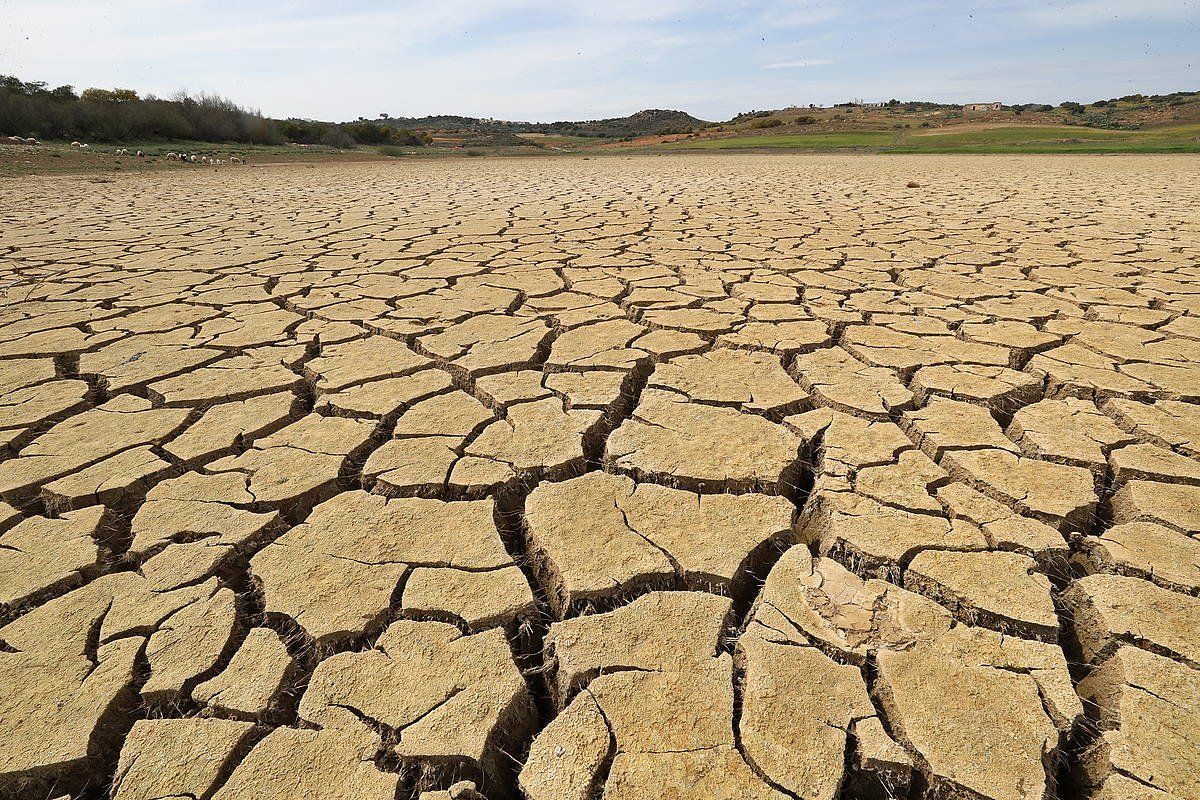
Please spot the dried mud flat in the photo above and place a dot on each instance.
(712, 477)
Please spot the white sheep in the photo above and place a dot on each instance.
(83, 146)
(140, 154)
(76, 144)
(192, 159)
(171, 156)
(234, 160)
(32, 140)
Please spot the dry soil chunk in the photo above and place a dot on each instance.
(56, 687)
(1112, 609)
(944, 426)
(31, 405)
(534, 439)
(993, 589)
(261, 371)
(456, 698)
(784, 337)
(797, 709)
(384, 398)
(1003, 528)
(672, 441)
(122, 423)
(1060, 495)
(664, 631)
(350, 363)
(336, 573)
(1149, 728)
(845, 383)
(226, 425)
(1148, 551)
(1068, 431)
(252, 680)
(1174, 505)
(1150, 462)
(166, 758)
(599, 535)
(937, 694)
(1168, 423)
(300, 463)
(199, 507)
(744, 380)
(875, 538)
(998, 388)
(566, 757)
(333, 762)
(41, 555)
(116, 480)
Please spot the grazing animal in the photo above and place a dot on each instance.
(192, 159)
(171, 156)
(76, 144)
(83, 146)
(140, 154)
(32, 140)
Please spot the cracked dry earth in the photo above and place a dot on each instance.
(704, 477)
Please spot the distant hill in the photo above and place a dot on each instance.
(649, 121)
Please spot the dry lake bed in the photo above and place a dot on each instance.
(642, 478)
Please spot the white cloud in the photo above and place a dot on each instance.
(812, 62)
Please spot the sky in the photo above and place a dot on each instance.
(546, 60)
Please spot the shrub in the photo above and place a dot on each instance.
(805, 120)
(772, 122)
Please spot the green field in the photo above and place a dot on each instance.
(1013, 139)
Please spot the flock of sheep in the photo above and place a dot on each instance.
(188, 158)
(194, 159)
